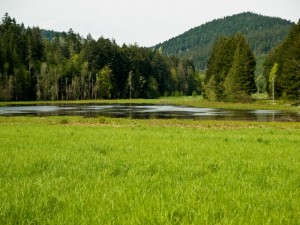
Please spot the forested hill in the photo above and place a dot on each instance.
(262, 33)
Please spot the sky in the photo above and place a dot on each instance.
(142, 22)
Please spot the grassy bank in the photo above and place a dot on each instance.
(74, 170)
(260, 102)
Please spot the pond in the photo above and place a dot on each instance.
(150, 111)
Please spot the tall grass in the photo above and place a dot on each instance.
(148, 172)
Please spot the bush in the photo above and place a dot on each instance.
(102, 119)
(64, 121)
(194, 94)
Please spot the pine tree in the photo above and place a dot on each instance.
(232, 84)
(230, 73)
(217, 69)
(287, 55)
(291, 64)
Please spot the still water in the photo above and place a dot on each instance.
(150, 111)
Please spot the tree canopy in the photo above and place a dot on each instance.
(41, 65)
(287, 56)
(46, 65)
(230, 70)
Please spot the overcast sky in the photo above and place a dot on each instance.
(145, 22)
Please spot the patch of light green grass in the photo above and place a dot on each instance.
(155, 172)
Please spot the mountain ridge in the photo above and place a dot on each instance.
(262, 32)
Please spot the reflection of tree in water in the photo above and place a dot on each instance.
(152, 111)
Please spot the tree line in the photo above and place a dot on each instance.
(41, 65)
(69, 67)
(282, 67)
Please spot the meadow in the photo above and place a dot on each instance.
(73, 170)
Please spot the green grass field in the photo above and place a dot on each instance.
(73, 170)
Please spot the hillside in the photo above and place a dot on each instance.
(263, 33)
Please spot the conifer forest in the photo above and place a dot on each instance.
(38, 64)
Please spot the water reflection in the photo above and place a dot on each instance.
(150, 111)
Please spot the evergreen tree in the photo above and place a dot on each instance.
(291, 64)
(217, 69)
(287, 55)
(230, 72)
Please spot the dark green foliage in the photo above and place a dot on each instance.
(218, 68)
(49, 34)
(44, 65)
(260, 80)
(261, 32)
(12, 73)
(287, 56)
(230, 71)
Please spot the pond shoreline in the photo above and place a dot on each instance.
(150, 111)
(192, 101)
